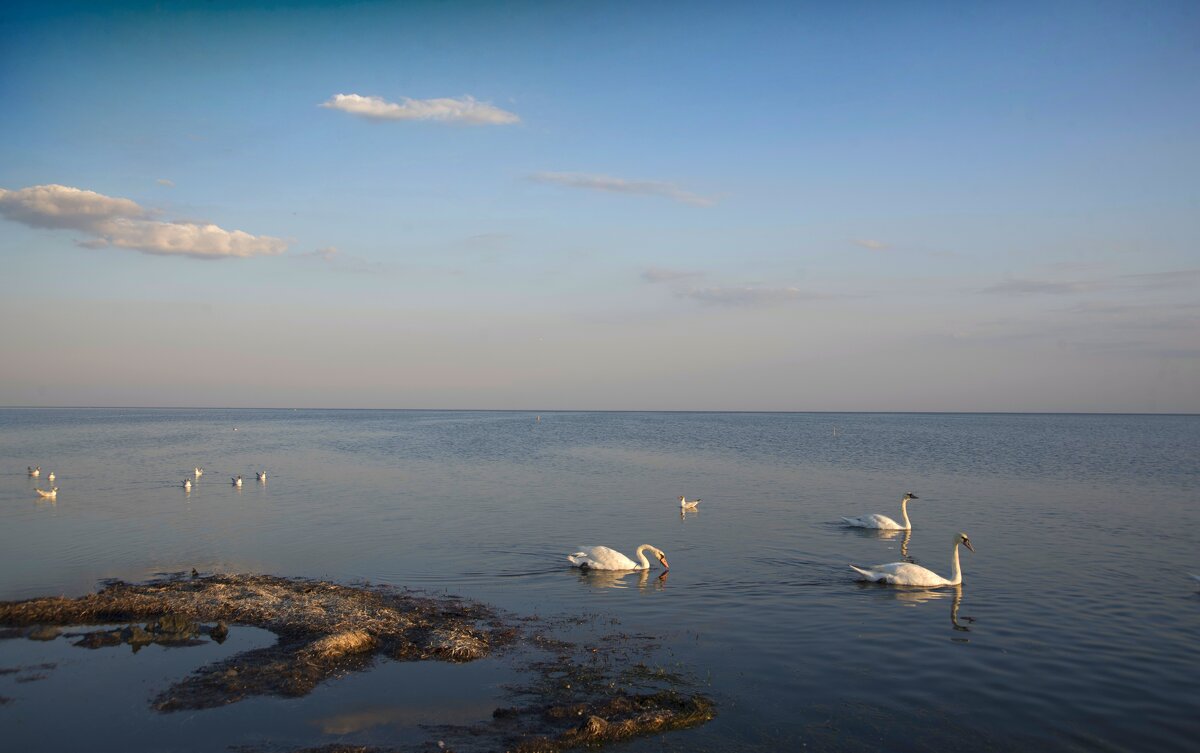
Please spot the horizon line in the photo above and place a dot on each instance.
(606, 410)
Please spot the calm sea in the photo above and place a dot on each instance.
(1084, 632)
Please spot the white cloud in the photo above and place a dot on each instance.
(123, 223)
(655, 275)
(621, 185)
(465, 109)
(746, 295)
(871, 244)
(165, 182)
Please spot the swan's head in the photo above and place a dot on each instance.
(963, 539)
(910, 495)
(662, 558)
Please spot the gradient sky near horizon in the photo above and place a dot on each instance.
(562, 205)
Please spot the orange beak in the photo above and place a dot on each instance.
(663, 560)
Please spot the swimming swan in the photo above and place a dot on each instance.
(603, 558)
(47, 493)
(882, 521)
(685, 505)
(908, 574)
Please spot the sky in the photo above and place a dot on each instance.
(800, 206)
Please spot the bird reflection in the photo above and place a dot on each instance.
(620, 579)
(882, 534)
(954, 618)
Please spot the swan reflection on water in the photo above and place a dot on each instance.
(885, 535)
(913, 597)
(620, 579)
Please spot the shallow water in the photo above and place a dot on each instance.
(1085, 622)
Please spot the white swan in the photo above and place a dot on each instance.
(603, 558)
(237, 480)
(262, 475)
(35, 472)
(187, 484)
(883, 522)
(685, 505)
(198, 471)
(47, 493)
(908, 574)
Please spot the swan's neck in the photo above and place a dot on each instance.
(956, 571)
(904, 512)
(641, 555)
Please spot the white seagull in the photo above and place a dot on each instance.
(237, 480)
(685, 505)
(47, 493)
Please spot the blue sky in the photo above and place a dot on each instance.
(821, 206)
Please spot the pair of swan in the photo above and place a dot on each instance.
(603, 558)
(47, 493)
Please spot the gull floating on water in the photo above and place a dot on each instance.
(685, 505)
(47, 493)
(34, 471)
(908, 574)
(187, 484)
(237, 480)
(51, 476)
(198, 471)
(883, 522)
(262, 475)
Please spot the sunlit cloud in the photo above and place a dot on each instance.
(655, 275)
(871, 243)
(122, 223)
(465, 109)
(746, 295)
(621, 185)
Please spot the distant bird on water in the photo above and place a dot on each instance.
(237, 480)
(262, 475)
(684, 504)
(35, 472)
(187, 484)
(883, 522)
(51, 476)
(47, 493)
(198, 471)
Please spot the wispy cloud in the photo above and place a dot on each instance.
(871, 243)
(165, 182)
(621, 185)
(1039, 287)
(465, 109)
(746, 295)
(1183, 278)
(326, 253)
(122, 223)
(655, 275)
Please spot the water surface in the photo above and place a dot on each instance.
(1083, 622)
